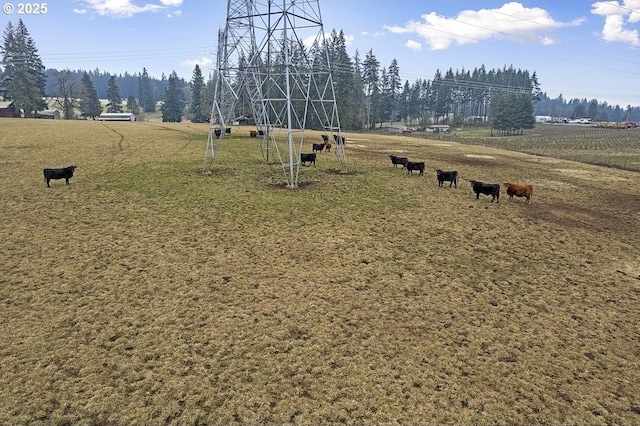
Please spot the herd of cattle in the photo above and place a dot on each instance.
(451, 176)
(319, 147)
(490, 189)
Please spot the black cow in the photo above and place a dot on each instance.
(492, 189)
(325, 138)
(415, 165)
(395, 160)
(65, 173)
(308, 158)
(218, 132)
(318, 147)
(340, 140)
(451, 177)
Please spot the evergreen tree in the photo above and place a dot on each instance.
(413, 101)
(198, 97)
(512, 112)
(392, 95)
(343, 80)
(592, 111)
(383, 103)
(146, 96)
(535, 87)
(578, 111)
(209, 91)
(404, 103)
(114, 101)
(442, 96)
(358, 94)
(371, 82)
(132, 105)
(23, 79)
(173, 101)
(89, 102)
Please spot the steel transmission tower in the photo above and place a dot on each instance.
(272, 56)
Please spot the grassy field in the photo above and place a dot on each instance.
(147, 292)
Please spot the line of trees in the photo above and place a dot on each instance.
(368, 95)
(583, 108)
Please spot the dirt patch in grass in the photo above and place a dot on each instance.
(479, 156)
(590, 175)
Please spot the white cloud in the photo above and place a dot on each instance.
(548, 40)
(634, 16)
(375, 35)
(124, 8)
(308, 41)
(203, 62)
(511, 21)
(414, 45)
(616, 21)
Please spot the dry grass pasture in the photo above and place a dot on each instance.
(147, 292)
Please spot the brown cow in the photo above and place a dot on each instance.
(519, 191)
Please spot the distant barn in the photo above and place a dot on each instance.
(117, 116)
(7, 110)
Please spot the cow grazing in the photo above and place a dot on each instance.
(519, 191)
(325, 138)
(415, 165)
(451, 177)
(492, 189)
(308, 158)
(395, 160)
(340, 140)
(327, 147)
(318, 147)
(65, 173)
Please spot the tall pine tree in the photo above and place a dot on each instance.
(89, 102)
(132, 105)
(198, 97)
(146, 95)
(173, 100)
(23, 79)
(114, 101)
(371, 81)
(393, 90)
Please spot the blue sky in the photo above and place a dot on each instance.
(580, 49)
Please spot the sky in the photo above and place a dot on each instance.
(578, 49)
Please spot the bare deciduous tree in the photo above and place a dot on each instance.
(67, 91)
